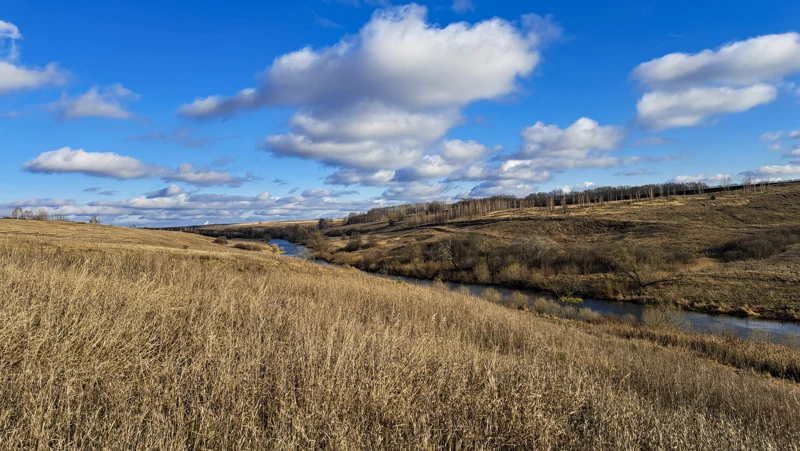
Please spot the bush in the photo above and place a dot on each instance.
(248, 247)
(519, 300)
(586, 314)
(221, 240)
(492, 295)
(759, 246)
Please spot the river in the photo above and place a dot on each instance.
(776, 331)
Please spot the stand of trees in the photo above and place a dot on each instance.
(440, 212)
(40, 215)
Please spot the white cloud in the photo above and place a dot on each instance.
(188, 173)
(377, 105)
(97, 102)
(462, 6)
(794, 134)
(348, 177)
(17, 78)
(10, 32)
(111, 165)
(374, 121)
(771, 136)
(14, 77)
(743, 63)
(502, 188)
(98, 164)
(661, 110)
(774, 146)
(688, 89)
(358, 154)
(418, 192)
(397, 58)
(716, 179)
(575, 142)
(773, 171)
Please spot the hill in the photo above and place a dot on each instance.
(137, 339)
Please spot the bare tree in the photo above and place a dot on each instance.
(42, 215)
(94, 220)
(27, 214)
(17, 213)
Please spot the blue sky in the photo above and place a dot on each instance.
(153, 114)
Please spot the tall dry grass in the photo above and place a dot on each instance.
(140, 347)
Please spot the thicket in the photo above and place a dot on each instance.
(761, 245)
(527, 262)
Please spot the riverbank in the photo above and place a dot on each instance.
(762, 330)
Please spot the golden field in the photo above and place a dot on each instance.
(118, 338)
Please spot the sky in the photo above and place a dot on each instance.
(155, 113)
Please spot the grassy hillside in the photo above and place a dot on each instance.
(131, 339)
(731, 252)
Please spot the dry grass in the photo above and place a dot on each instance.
(691, 231)
(121, 339)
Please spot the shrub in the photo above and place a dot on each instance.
(586, 314)
(248, 247)
(519, 300)
(492, 295)
(221, 240)
(762, 245)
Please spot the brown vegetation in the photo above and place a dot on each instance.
(121, 339)
(738, 254)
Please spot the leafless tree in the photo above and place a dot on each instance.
(17, 213)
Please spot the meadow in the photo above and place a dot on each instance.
(119, 338)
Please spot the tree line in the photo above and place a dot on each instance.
(553, 201)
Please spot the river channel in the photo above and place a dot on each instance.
(776, 331)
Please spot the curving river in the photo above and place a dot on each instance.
(776, 331)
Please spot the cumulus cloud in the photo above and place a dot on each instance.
(99, 102)
(397, 58)
(348, 177)
(502, 187)
(17, 78)
(14, 77)
(97, 164)
(418, 192)
(743, 63)
(172, 206)
(108, 164)
(794, 134)
(716, 179)
(662, 110)
(188, 173)
(324, 192)
(377, 106)
(690, 88)
(790, 170)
